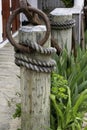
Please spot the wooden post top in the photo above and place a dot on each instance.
(66, 11)
(31, 28)
(61, 12)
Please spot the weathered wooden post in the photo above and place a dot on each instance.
(62, 23)
(35, 82)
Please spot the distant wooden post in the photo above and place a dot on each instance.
(35, 86)
(62, 36)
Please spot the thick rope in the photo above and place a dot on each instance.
(35, 67)
(20, 56)
(61, 25)
(38, 48)
(36, 64)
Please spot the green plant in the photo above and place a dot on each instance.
(68, 3)
(17, 111)
(64, 114)
(73, 69)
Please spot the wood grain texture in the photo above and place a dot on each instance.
(35, 87)
(62, 37)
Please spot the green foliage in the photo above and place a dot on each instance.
(17, 111)
(68, 3)
(68, 92)
(73, 69)
(63, 66)
(64, 114)
(85, 128)
(69, 107)
(58, 84)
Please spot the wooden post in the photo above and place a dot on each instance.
(77, 12)
(35, 86)
(63, 37)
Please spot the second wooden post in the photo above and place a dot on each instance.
(62, 23)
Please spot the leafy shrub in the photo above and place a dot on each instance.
(17, 111)
(68, 3)
(64, 114)
(73, 69)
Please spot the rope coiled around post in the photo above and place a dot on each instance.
(63, 25)
(38, 48)
(36, 64)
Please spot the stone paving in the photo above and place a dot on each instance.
(9, 89)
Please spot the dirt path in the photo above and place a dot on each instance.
(9, 87)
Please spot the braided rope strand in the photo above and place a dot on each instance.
(34, 64)
(33, 67)
(38, 48)
(63, 25)
(24, 58)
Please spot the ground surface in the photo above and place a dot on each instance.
(9, 88)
